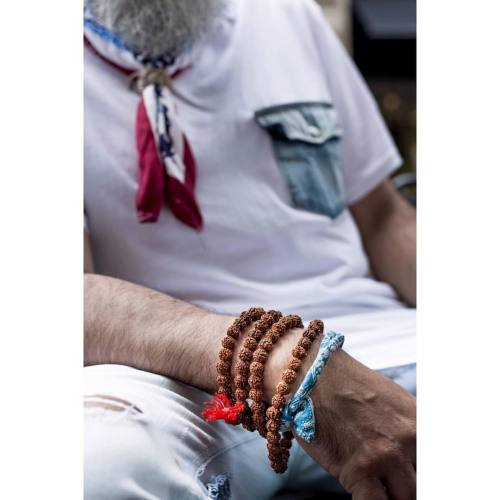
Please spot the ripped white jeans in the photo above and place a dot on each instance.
(145, 439)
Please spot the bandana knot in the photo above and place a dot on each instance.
(150, 75)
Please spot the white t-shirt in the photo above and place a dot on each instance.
(255, 247)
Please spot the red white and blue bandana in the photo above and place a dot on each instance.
(167, 167)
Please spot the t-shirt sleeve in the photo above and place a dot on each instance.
(368, 150)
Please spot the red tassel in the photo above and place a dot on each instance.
(220, 408)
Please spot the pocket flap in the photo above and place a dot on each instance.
(311, 122)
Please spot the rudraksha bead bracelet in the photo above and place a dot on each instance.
(249, 378)
(260, 357)
(224, 397)
(243, 364)
(278, 446)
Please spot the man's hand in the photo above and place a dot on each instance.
(365, 425)
(366, 431)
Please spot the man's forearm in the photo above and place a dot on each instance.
(392, 252)
(388, 227)
(135, 326)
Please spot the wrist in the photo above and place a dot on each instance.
(218, 325)
(344, 386)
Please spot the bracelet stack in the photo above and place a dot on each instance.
(273, 422)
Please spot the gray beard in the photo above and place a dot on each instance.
(166, 28)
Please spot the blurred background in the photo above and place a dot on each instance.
(381, 37)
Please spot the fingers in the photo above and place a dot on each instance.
(402, 484)
(369, 488)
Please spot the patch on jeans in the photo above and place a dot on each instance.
(218, 487)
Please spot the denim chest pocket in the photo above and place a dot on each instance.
(306, 141)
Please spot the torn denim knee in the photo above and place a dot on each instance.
(103, 405)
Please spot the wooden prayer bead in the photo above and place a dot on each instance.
(228, 343)
(233, 332)
(260, 355)
(224, 368)
(258, 406)
(223, 380)
(272, 412)
(283, 388)
(274, 449)
(272, 425)
(273, 438)
(240, 381)
(245, 355)
(299, 352)
(255, 381)
(240, 394)
(256, 394)
(242, 367)
(278, 400)
(267, 345)
(281, 467)
(310, 334)
(305, 342)
(250, 344)
(257, 368)
(289, 376)
(225, 354)
(275, 337)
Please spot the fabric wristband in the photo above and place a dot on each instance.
(298, 412)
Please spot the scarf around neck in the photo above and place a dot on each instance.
(166, 164)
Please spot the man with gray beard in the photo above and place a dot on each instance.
(234, 157)
(158, 27)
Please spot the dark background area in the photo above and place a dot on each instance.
(381, 37)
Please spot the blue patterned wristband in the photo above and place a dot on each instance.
(298, 412)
